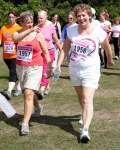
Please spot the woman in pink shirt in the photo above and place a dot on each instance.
(48, 30)
(30, 50)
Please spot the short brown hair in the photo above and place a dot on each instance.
(24, 15)
(116, 19)
(82, 7)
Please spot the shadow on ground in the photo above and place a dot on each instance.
(63, 122)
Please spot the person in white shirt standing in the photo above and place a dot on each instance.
(115, 36)
(106, 26)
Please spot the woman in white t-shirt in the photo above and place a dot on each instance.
(106, 26)
(84, 66)
(115, 36)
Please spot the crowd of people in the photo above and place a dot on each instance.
(34, 53)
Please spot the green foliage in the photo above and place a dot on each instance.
(61, 7)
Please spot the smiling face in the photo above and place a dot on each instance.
(83, 14)
(83, 18)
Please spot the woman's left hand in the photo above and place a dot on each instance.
(49, 73)
(110, 62)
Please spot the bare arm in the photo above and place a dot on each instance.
(57, 42)
(106, 46)
(119, 40)
(17, 36)
(45, 51)
(66, 48)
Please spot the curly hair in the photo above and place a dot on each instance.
(81, 8)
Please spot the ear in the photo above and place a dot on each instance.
(90, 19)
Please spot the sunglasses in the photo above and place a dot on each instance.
(11, 17)
(70, 18)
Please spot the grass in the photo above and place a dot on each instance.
(58, 128)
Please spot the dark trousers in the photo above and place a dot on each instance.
(105, 59)
(116, 48)
(11, 64)
(101, 56)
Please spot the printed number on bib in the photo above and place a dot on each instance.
(81, 49)
(24, 53)
(9, 47)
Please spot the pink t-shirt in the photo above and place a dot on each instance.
(29, 53)
(48, 31)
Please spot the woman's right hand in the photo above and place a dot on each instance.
(36, 29)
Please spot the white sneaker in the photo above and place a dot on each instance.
(116, 57)
(38, 111)
(84, 137)
(24, 129)
(17, 93)
(47, 90)
(42, 90)
(81, 122)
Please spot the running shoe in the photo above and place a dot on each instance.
(81, 122)
(39, 96)
(24, 129)
(38, 111)
(42, 90)
(116, 57)
(84, 137)
(47, 90)
(17, 93)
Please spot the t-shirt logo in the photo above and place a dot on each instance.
(9, 47)
(7, 35)
(82, 48)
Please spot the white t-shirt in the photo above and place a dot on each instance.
(96, 23)
(85, 48)
(105, 24)
(115, 31)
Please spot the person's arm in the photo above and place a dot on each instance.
(106, 46)
(59, 29)
(57, 42)
(0, 37)
(119, 40)
(63, 34)
(18, 36)
(64, 52)
(45, 51)
(109, 31)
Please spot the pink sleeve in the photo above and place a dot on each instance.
(53, 30)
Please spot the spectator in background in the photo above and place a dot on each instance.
(49, 32)
(106, 26)
(9, 52)
(56, 23)
(70, 22)
(115, 36)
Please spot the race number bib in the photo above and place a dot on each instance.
(24, 53)
(82, 49)
(9, 47)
